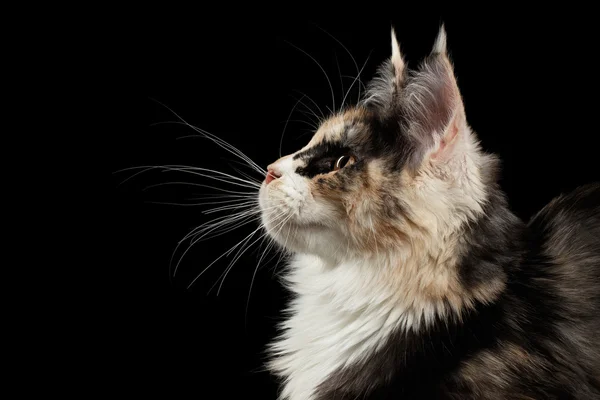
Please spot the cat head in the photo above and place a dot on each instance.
(399, 170)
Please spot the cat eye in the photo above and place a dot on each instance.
(342, 162)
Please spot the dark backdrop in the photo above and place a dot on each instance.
(530, 88)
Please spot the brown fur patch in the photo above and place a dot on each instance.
(333, 128)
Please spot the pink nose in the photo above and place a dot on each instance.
(271, 175)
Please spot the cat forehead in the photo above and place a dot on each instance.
(339, 127)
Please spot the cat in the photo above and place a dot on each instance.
(411, 278)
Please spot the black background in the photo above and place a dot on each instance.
(529, 82)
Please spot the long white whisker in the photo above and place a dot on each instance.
(249, 185)
(286, 123)
(222, 223)
(216, 196)
(249, 179)
(337, 63)
(360, 82)
(284, 244)
(225, 220)
(223, 226)
(310, 114)
(194, 171)
(222, 255)
(238, 254)
(221, 231)
(314, 102)
(220, 142)
(247, 176)
(254, 183)
(347, 51)
(232, 201)
(311, 125)
(325, 73)
(233, 150)
(252, 280)
(233, 192)
(226, 225)
(230, 207)
(184, 253)
(230, 250)
(203, 230)
(354, 81)
(283, 252)
(223, 144)
(168, 203)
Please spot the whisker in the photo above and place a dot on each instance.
(286, 124)
(325, 73)
(337, 63)
(203, 230)
(238, 254)
(238, 208)
(247, 166)
(223, 144)
(314, 103)
(347, 51)
(166, 203)
(284, 245)
(354, 81)
(240, 155)
(230, 207)
(223, 221)
(216, 196)
(237, 182)
(239, 224)
(226, 224)
(194, 171)
(360, 82)
(309, 114)
(233, 192)
(252, 282)
(311, 125)
(223, 255)
(283, 251)
(220, 142)
(246, 176)
(232, 201)
(191, 169)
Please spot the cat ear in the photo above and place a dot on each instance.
(433, 106)
(382, 92)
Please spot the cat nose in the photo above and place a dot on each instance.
(272, 174)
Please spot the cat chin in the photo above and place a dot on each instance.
(293, 218)
(307, 238)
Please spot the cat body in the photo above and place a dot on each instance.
(411, 278)
(347, 337)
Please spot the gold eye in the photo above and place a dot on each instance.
(342, 162)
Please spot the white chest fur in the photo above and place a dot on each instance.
(340, 314)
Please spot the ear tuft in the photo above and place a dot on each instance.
(440, 42)
(397, 60)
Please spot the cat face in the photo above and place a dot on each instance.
(401, 169)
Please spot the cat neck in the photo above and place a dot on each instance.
(342, 312)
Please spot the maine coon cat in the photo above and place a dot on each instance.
(411, 278)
